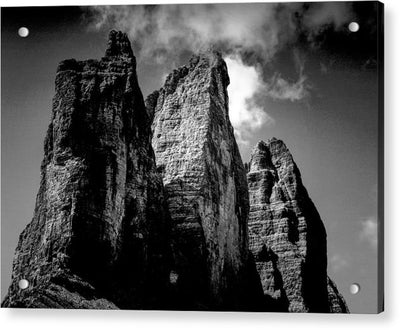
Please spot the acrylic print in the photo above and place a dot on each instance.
(207, 157)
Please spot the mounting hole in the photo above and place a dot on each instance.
(354, 27)
(23, 32)
(354, 288)
(23, 284)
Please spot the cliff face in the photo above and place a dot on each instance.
(118, 225)
(287, 236)
(99, 235)
(206, 185)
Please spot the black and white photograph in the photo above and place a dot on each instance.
(213, 157)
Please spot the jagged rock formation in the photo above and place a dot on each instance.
(99, 235)
(105, 234)
(205, 181)
(286, 235)
(337, 304)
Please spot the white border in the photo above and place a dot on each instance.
(390, 319)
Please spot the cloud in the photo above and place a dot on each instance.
(162, 31)
(279, 88)
(338, 262)
(369, 231)
(246, 81)
(323, 68)
(325, 14)
(245, 33)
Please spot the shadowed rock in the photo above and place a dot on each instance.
(337, 304)
(119, 45)
(99, 235)
(102, 236)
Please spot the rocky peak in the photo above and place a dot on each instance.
(209, 60)
(146, 205)
(205, 180)
(204, 70)
(260, 157)
(118, 45)
(99, 237)
(284, 222)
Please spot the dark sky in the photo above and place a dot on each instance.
(297, 73)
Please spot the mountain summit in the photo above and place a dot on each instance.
(147, 205)
(119, 45)
(206, 185)
(286, 234)
(99, 237)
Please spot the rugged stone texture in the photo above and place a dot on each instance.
(286, 234)
(337, 304)
(99, 235)
(206, 184)
(63, 291)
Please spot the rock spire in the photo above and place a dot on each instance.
(99, 237)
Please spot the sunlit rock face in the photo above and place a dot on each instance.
(286, 234)
(99, 235)
(206, 186)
